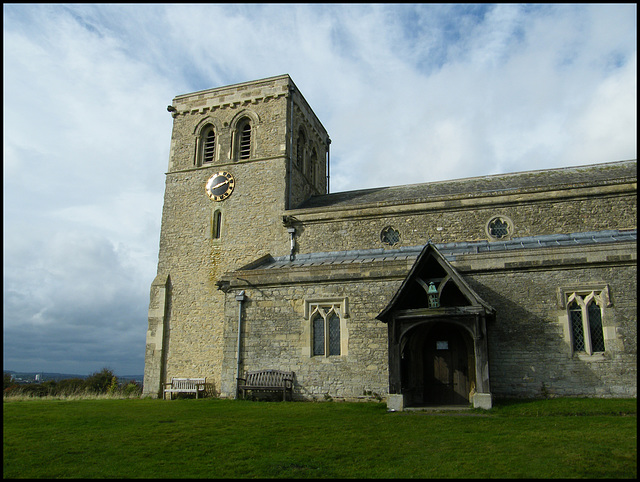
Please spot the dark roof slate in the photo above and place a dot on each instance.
(596, 174)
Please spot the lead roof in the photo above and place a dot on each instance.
(448, 250)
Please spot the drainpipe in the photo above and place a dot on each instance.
(239, 298)
(292, 233)
(328, 156)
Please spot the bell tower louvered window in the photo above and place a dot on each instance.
(300, 145)
(313, 166)
(209, 146)
(244, 144)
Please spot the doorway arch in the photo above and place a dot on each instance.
(437, 364)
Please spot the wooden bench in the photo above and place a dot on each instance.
(267, 381)
(184, 385)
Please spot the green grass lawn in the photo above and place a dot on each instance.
(211, 438)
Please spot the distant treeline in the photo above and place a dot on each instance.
(98, 383)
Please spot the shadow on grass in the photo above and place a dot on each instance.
(564, 406)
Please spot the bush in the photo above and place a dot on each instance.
(132, 389)
(6, 381)
(36, 389)
(71, 386)
(113, 386)
(100, 382)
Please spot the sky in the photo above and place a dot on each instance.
(409, 93)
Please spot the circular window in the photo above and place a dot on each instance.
(389, 236)
(499, 227)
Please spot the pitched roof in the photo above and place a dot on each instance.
(430, 251)
(580, 176)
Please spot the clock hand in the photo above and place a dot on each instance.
(221, 184)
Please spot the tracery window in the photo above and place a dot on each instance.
(390, 236)
(585, 319)
(326, 333)
(499, 227)
(326, 327)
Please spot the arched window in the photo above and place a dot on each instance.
(208, 145)
(577, 329)
(216, 224)
(594, 313)
(313, 166)
(300, 144)
(318, 334)
(205, 145)
(244, 140)
(585, 318)
(326, 332)
(333, 323)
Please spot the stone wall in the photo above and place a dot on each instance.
(529, 346)
(337, 230)
(529, 349)
(276, 335)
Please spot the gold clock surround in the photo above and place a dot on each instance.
(220, 186)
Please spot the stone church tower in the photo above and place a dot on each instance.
(240, 156)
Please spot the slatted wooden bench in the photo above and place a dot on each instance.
(267, 381)
(184, 385)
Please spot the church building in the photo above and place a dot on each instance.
(442, 293)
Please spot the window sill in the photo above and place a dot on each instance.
(599, 356)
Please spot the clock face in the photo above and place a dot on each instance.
(220, 186)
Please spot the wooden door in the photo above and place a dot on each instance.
(446, 367)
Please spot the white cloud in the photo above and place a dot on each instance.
(607, 124)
